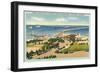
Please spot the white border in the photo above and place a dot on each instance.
(22, 64)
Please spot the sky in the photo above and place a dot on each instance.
(56, 18)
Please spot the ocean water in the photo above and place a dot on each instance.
(49, 30)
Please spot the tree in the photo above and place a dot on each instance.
(60, 40)
(29, 55)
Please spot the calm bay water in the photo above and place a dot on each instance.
(52, 30)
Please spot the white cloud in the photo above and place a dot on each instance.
(38, 19)
(60, 19)
(72, 18)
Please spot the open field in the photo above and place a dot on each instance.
(34, 47)
(41, 51)
(61, 55)
(76, 47)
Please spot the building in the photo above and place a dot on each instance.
(73, 38)
(83, 40)
(61, 35)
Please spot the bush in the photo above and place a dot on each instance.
(48, 57)
(66, 52)
(29, 55)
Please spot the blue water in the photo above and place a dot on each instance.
(51, 30)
